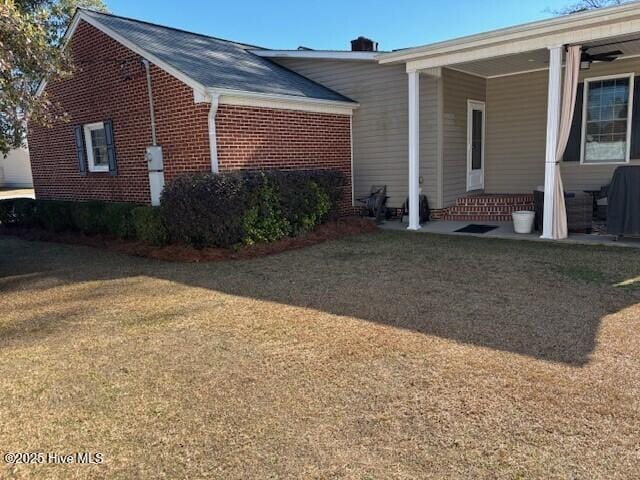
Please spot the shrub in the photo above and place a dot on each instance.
(205, 209)
(54, 215)
(6, 212)
(149, 226)
(248, 207)
(263, 220)
(17, 212)
(25, 212)
(90, 218)
(308, 198)
(116, 219)
(86, 217)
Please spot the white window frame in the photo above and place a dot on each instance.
(585, 106)
(89, 147)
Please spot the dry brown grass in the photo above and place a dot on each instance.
(382, 356)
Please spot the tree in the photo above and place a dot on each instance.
(584, 5)
(30, 34)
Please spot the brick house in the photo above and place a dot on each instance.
(216, 107)
(480, 125)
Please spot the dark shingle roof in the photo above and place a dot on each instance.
(214, 62)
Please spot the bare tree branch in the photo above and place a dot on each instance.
(584, 5)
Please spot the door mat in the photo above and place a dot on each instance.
(475, 228)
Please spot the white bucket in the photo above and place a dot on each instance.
(523, 221)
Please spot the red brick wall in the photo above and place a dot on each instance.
(250, 138)
(110, 83)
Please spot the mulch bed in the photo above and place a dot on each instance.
(182, 253)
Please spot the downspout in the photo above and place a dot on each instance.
(213, 141)
(353, 187)
(154, 138)
(155, 162)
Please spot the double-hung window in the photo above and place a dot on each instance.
(606, 129)
(95, 140)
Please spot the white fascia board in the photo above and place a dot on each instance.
(572, 37)
(282, 102)
(80, 15)
(601, 23)
(318, 54)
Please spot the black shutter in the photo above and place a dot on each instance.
(80, 150)
(574, 145)
(111, 147)
(635, 122)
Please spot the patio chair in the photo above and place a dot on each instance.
(602, 202)
(579, 211)
(424, 209)
(375, 203)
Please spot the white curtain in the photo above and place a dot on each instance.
(571, 74)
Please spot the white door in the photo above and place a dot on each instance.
(475, 145)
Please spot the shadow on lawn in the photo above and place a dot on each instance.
(510, 296)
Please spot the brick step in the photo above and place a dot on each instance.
(495, 200)
(488, 210)
(476, 218)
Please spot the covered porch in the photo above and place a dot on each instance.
(498, 98)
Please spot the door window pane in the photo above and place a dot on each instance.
(476, 139)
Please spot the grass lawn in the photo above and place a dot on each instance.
(391, 355)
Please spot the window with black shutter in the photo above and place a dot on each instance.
(95, 147)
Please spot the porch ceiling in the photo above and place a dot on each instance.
(539, 59)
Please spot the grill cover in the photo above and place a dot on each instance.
(623, 214)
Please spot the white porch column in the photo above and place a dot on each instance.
(414, 150)
(553, 125)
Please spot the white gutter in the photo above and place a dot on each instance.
(284, 102)
(318, 54)
(533, 30)
(276, 96)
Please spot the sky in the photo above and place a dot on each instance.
(331, 24)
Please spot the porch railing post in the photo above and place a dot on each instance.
(553, 125)
(414, 150)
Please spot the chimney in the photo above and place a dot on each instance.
(363, 44)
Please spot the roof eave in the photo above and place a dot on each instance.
(516, 33)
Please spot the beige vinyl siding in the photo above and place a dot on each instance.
(516, 133)
(458, 88)
(380, 124)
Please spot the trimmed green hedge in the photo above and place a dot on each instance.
(90, 218)
(201, 210)
(248, 207)
(149, 226)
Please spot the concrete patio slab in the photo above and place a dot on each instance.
(505, 230)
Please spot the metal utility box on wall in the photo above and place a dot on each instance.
(154, 158)
(156, 173)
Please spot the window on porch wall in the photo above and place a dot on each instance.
(606, 138)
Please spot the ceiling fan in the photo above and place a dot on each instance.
(588, 58)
